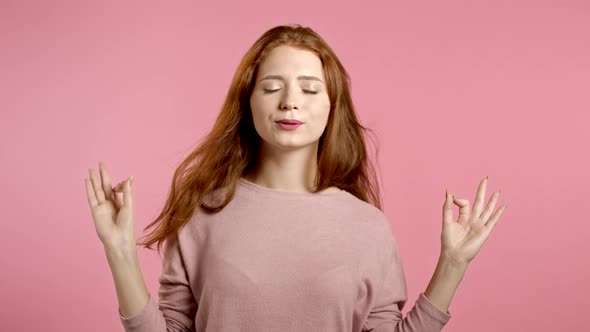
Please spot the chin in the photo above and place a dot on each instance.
(291, 144)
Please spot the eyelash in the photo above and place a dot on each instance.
(306, 91)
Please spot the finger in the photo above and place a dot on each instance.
(90, 193)
(106, 179)
(490, 207)
(464, 211)
(479, 197)
(96, 186)
(119, 187)
(128, 196)
(118, 198)
(448, 208)
(118, 195)
(495, 217)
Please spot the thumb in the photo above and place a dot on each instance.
(448, 208)
(128, 195)
(464, 209)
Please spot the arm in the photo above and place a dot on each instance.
(461, 240)
(177, 307)
(391, 298)
(129, 283)
(430, 313)
(444, 282)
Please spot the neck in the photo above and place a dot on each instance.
(288, 170)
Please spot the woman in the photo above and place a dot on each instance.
(274, 222)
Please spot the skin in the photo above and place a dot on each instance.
(461, 240)
(288, 159)
(287, 162)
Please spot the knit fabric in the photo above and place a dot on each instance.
(274, 260)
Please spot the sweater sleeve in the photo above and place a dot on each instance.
(386, 315)
(177, 306)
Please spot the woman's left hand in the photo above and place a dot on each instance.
(462, 239)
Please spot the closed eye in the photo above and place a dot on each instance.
(305, 91)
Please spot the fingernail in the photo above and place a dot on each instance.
(131, 181)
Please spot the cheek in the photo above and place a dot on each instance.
(321, 113)
(260, 119)
(260, 116)
(258, 109)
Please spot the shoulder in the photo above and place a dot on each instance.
(369, 220)
(366, 211)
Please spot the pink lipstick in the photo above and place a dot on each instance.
(289, 124)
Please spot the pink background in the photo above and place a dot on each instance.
(455, 91)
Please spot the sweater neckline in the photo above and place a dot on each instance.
(276, 192)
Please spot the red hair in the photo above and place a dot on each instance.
(231, 147)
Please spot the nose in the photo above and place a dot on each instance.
(288, 106)
(288, 101)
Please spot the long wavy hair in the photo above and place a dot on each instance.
(230, 149)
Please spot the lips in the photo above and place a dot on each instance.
(289, 121)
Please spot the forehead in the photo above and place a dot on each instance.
(286, 60)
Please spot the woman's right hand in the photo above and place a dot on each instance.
(112, 209)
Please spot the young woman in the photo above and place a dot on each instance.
(274, 222)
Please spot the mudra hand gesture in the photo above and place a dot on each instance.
(462, 239)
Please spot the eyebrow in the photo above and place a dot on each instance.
(301, 77)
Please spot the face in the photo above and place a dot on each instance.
(290, 84)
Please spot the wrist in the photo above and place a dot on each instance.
(447, 276)
(450, 262)
(115, 253)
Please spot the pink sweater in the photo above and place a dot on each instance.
(274, 260)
